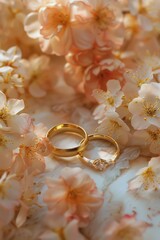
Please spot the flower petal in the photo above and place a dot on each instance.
(32, 25)
(2, 100)
(15, 106)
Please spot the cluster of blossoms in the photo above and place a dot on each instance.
(98, 47)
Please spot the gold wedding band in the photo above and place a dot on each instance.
(100, 164)
(68, 128)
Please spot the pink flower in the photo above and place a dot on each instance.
(126, 228)
(106, 22)
(97, 75)
(73, 195)
(54, 24)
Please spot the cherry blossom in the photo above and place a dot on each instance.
(12, 71)
(145, 109)
(140, 76)
(75, 194)
(53, 24)
(106, 19)
(126, 228)
(149, 137)
(9, 117)
(109, 100)
(147, 178)
(113, 126)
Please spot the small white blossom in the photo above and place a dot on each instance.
(147, 178)
(114, 127)
(145, 109)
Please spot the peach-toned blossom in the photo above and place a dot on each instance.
(74, 195)
(97, 75)
(53, 24)
(147, 178)
(146, 108)
(33, 161)
(126, 228)
(106, 22)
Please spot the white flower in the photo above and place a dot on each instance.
(12, 70)
(8, 115)
(10, 57)
(146, 108)
(139, 76)
(109, 100)
(147, 178)
(149, 137)
(114, 127)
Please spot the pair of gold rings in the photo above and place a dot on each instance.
(98, 164)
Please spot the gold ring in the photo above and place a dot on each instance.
(100, 164)
(70, 128)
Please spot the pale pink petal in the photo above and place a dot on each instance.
(71, 231)
(136, 106)
(32, 25)
(148, 90)
(100, 95)
(113, 86)
(22, 215)
(15, 106)
(135, 183)
(154, 121)
(83, 37)
(138, 122)
(2, 100)
(58, 46)
(21, 123)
